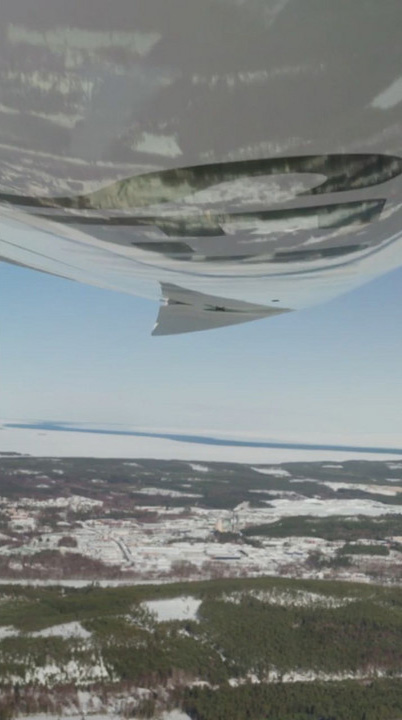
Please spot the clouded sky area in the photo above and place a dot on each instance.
(74, 353)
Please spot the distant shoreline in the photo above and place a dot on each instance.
(203, 440)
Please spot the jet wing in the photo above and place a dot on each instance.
(267, 168)
(186, 311)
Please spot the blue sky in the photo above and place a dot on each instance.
(75, 353)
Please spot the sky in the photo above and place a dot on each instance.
(70, 352)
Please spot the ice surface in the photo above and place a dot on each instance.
(78, 444)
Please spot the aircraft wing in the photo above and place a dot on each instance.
(238, 161)
(188, 311)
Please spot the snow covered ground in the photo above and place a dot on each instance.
(166, 492)
(273, 471)
(52, 674)
(66, 630)
(298, 598)
(364, 487)
(172, 715)
(178, 608)
(284, 507)
(7, 631)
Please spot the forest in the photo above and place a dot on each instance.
(332, 528)
(263, 647)
(378, 700)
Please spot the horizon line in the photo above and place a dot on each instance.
(201, 439)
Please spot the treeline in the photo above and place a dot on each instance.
(331, 528)
(364, 549)
(32, 608)
(57, 566)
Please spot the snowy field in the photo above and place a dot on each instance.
(172, 715)
(178, 608)
(72, 629)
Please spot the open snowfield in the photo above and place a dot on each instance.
(172, 715)
(179, 608)
(66, 630)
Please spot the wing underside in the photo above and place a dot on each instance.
(186, 311)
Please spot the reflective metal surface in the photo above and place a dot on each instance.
(236, 158)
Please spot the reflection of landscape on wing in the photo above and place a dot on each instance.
(342, 172)
(129, 85)
(258, 171)
(292, 220)
(210, 238)
(264, 234)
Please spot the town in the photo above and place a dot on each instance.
(74, 520)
